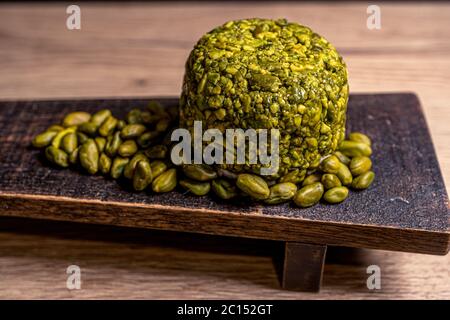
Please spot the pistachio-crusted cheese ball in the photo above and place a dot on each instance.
(259, 73)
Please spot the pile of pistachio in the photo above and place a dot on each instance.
(138, 148)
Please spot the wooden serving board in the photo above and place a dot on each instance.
(406, 208)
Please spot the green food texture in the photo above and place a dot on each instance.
(264, 74)
(255, 73)
(149, 167)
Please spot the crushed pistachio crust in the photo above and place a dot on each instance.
(259, 73)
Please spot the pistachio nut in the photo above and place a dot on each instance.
(142, 175)
(224, 188)
(131, 131)
(309, 195)
(359, 137)
(44, 139)
(359, 165)
(82, 137)
(89, 156)
(354, 148)
(330, 164)
(336, 194)
(199, 172)
(73, 157)
(76, 118)
(312, 178)
(69, 142)
(128, 172)
(99, 117)
(127, 148)
(104, 163)
(253, 185)
(57, 156)
(363, 181)
(156, 152)
(56, 142)
(158, 167)
(55, 127)
(89, 128)
(342, 158)
(196, 187)
(281, 192)
(344, 175)
(112, 144)
(101, 143)
(108, 126)
(118, 166)
(165, 182)
(330, 180)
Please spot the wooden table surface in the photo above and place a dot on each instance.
(139, 50)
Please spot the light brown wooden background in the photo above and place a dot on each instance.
(139, 50)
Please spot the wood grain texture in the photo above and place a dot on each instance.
(124, 263)
(131, 50)
(405, 209)
(303, 266)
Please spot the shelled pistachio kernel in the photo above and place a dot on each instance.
(128, 171)
(342, 158)
(344, 175)
(309, 195)
(336, 194)
(359, 137)
(118, 166)
(99, 117)
(359, 165)
(330, 164)
(165, 182)
(128, 148)
(142, 175)
(253, 185)
(363, 181)
(158, 167)
(69, 142)
(224, 188)
(104, 163)
(57, 156)
(44, 139)
(89, 155)
(353, 148)
(196, 187)
(330, 181)
(199, 172)
(76, 118)
(315, 177)
(281, 192)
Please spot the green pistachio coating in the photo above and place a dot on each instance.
(264, 74)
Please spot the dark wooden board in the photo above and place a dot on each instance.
(406, 209)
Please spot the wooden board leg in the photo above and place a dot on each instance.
(303, 266)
